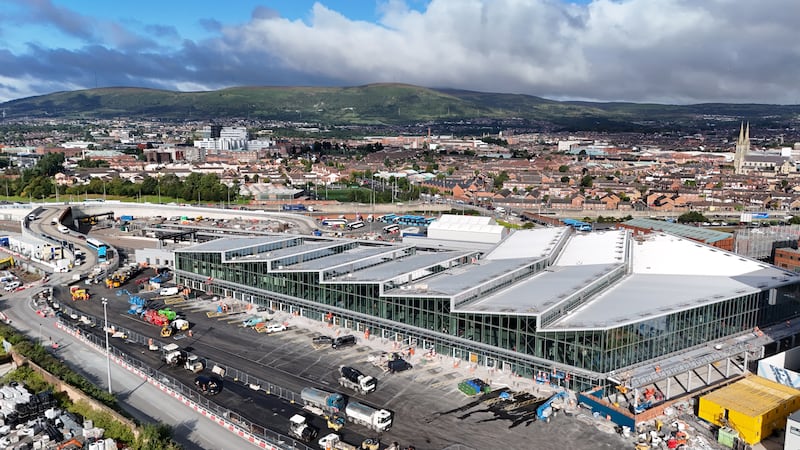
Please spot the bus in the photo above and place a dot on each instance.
(356, 225)
(389, 218)
(411, 220)
(393, 228)
(334, 222)
(578, 225)
(100, 247)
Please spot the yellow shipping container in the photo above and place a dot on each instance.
(754, 406)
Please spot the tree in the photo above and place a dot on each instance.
(795, 220)
(692, 217)
(587, 181)
(563, 169)
(500, 179)
(565, 179)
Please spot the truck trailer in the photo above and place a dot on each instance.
(379, 420)
(352, 378)
(322, 403)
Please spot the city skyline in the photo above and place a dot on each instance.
(665, 51)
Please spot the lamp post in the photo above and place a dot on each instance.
(108, 351)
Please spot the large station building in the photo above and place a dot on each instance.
(583, 307)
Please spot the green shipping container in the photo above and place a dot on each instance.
(727, 436)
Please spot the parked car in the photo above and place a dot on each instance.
(344, 341)
(275, 327)
(322, 340)
(12, 285)
(398, 365)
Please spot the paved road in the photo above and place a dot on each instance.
(143, 400)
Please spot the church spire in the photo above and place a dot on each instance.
(742, 148)
(747, 135)
(741, 133)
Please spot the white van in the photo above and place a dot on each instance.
(12, 285)
(168, 291)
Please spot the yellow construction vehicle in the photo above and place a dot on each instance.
(166, 330)
(79, 293)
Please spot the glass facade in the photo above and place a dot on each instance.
(504, 341)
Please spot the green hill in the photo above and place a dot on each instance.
(375, 104)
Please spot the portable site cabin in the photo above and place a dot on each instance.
(754, 407)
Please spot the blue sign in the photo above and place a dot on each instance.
(760, 216)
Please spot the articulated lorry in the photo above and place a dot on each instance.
(332, 404)
(352, 378)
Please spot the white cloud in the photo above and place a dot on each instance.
(651, 50)
(676, 51)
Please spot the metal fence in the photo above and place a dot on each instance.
(191, 395)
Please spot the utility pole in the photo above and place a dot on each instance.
(108, 351)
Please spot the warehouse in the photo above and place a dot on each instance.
(579, 306)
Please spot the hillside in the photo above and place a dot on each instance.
(378, 104)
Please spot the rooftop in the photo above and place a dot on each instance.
(753, 396)
(688, 231)
(569, 280)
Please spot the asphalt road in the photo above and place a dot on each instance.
(142, 400)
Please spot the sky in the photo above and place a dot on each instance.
(661, 51)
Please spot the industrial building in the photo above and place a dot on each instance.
(577, 308)
(753, 407)
(708, 236)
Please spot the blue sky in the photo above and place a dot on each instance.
(668, 51)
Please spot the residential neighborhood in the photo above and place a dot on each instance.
(583, 173)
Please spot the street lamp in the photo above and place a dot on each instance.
(108, 351)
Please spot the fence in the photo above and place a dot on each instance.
(230, 420)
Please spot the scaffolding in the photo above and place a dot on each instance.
(758, 243)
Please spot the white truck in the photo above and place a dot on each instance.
(299, 428)
(168, 291)
(352, 378)
(334, 442)
(379, 420)
(174, 356)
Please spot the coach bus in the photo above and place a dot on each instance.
(393, 228)
(334, 222)
(100, 247)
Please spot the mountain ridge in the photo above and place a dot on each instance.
(387, 104)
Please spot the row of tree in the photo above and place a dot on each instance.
(202, 187)
(38, 182)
